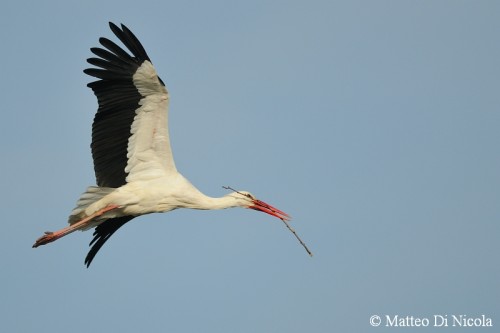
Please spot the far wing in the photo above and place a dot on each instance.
(102, 233)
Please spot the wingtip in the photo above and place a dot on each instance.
(112, 25)
(87, 263)
(115, 27)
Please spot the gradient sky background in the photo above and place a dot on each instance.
(375, 124)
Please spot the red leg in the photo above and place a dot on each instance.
(52, 236)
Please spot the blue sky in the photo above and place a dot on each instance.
(375, 124)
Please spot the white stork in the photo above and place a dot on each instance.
(133, 162)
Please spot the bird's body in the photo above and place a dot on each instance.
(133, 162)
(159, 195)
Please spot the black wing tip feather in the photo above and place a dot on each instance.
(116, 56)
(127, 37)
(118, 60)
(102, 233)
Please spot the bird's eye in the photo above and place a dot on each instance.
(248, 195)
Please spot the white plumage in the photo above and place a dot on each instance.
(133, 162)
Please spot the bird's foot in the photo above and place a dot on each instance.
(45, 239)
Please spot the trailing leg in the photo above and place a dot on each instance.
(52, 236)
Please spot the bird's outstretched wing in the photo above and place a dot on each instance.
(130, 138)
(130, 132)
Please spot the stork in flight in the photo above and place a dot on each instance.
(133, 162)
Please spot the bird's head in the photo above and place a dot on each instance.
(247, 200)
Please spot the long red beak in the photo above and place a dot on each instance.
(266, 208)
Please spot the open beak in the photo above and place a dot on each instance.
(266, 208)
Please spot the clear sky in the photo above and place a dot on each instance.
(375, 124)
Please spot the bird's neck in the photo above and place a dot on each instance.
(206, 202)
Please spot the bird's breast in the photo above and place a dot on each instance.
(153, 196)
